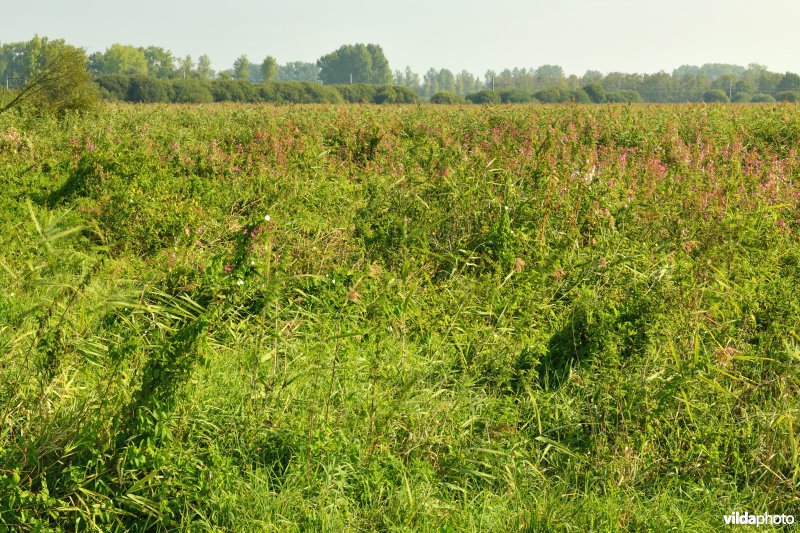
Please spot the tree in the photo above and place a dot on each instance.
(119, 59)
(789, 82)
(380, 73)
(762, 98)
(57, 79)
(715, 95)
(484, 97)
(357, 63)
(269, 69)
(596, 92)
(788, 96)
(447, 80)
(626, 96)
(241, 68)
(549, 76)
(160, 62)
(444, 97)
(514, 96)
(147, 89)
(186, 66)
(204, 71)
(298, 71)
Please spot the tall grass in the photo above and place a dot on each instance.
(504, 318)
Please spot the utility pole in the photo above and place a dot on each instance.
(351, 78)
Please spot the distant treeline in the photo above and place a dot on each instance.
(148, 89)
(361, 74)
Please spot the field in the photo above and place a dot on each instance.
(335, 318)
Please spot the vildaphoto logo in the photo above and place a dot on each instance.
(745, 519)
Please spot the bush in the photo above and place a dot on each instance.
(114, 87)
(484, 97)
(549, 96)
(446, 97)
(514, 96)
(392, 94)
(714, 96)
(596, 93)
(190, 91)
(762, 98)
(788, 96)
(146, 89)
(358, 93)
(579, 96)
(742, 98)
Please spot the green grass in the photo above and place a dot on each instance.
(504, 318)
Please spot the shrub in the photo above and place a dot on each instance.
(579, 96)
(788, 96)
(596, 92)
(190, 91)
(549, 96)
(715, 95)
(446, 97)
(484, 97)
(146, 89)
(514, 96)
(762, 98)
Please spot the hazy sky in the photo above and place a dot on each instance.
(605, 35)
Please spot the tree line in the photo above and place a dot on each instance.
(361, 73)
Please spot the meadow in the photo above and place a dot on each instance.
(341, 318)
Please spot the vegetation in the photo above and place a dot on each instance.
(366, 64)
(228, 317)
(355, 64)
(55, 80)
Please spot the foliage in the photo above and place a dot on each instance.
(56, 79)
(445, 97)
(241, 68)
(628, 97)
(788, 96)
(484, 97)
(269, 69)
(596, 93)
(433, 318)
(514, 96)
(715, 95)
(761, 98)
(356, 63)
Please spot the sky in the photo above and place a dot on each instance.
(607, 35)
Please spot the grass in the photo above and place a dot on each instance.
(502, 318)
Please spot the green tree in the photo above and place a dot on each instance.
(241, 68)
(204, 71)
(119, 59)
(789, 82)
(356, 63)
(445, 97)
(298, 71)
(788, 96)
(186, 66)
(269, 69)
(57, 79)
(596, 92)
(484, 97)
(715, 95)
(160, 62)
